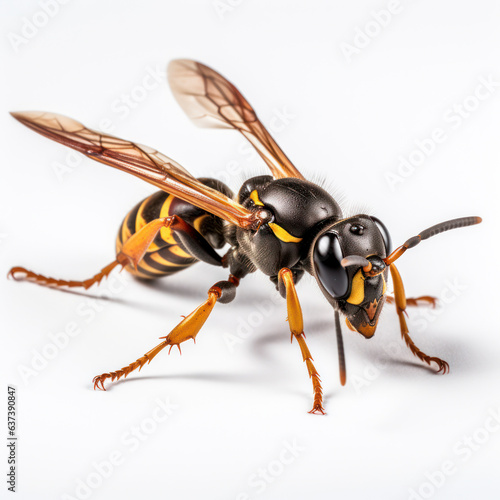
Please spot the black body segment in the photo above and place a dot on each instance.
(296, 206)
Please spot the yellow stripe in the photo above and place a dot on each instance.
(164, 212)
(146, 267)
(198, 221)
(282, 234)
(159, 259)
(153, 248)
(138, 273)
(177, 250)
(278, 231)
(139, 219)
(140, 222)
(165, 232)
(125, 230)
(255, 198)
(358, 289)
(118, 245)
(164, 262)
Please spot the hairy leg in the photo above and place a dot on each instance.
(400, 301)
(297, 331)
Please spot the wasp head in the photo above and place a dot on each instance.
(346, 258)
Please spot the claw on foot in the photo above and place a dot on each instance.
(444, 367)
(18, 273)
(118, 374)
(99, 379)
(317, 410)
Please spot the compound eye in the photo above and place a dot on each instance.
(327, 256)
(385, 235)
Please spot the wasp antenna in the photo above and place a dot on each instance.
(431, 231)
(355, 260)
(451, 224)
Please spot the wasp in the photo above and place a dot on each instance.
(280, 224)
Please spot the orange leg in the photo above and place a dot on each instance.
(131, 253)
(297, 330)
(22, 274)
(188, 328)
(417, 301)
(401, 302)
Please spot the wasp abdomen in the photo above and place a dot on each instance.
(167, 255)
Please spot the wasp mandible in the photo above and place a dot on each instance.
(280, 224)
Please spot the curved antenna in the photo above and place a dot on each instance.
(356, 260)
(427, 233)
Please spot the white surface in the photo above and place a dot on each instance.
(395, 422)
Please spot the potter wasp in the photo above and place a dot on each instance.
(280, 224)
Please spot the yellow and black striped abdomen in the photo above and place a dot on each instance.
(166, 255)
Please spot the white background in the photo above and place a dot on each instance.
(391, 429)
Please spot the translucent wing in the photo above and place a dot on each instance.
(141, 161)
(212, 101)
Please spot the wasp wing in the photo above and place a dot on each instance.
(141, 161)
(212, 101)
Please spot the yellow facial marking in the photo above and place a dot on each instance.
(358, 289)
(255, 198)
(282, 234)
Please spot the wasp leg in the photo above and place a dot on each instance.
(400, 301)
(132, 252)
(188, 328)
(417, 301)
(297, 330)
(23, 274)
